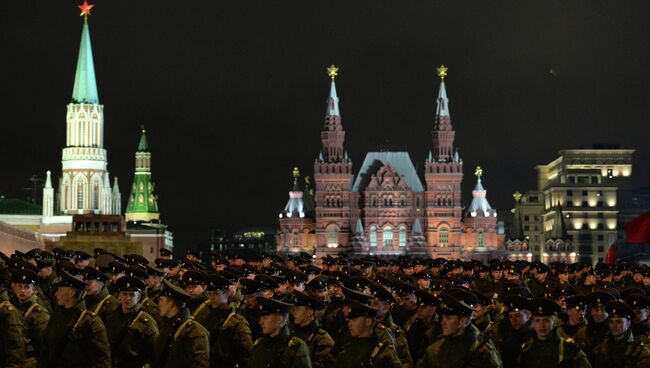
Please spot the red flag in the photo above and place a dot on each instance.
(637, 231)
(610, 258)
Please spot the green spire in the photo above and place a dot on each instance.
(143, 146)
(559, 230)
(85, 86)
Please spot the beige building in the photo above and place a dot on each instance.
(589, 187)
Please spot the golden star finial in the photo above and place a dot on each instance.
(296, 173)
(307, 180)
(85, 9)
(478, 172)
(442, 72)
(517, 196)
(332, 71)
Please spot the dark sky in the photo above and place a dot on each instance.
(233, 93)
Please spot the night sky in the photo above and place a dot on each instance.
(233, 93)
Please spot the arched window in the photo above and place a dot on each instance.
(479, 240)
(295, 239)
(373, 236)
(388, 236)
(332, 237)
(417, 201)
(80, 195)
(444, 236)
(402, 236)
(374, 201)
(96, 196)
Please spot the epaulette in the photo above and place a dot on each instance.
(7, 304)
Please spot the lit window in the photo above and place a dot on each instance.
(479, 240)
(444, 236)
(332, 238)
(402, 236)
(373, 236)
(388, 236)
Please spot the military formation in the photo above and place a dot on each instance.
(73, 309)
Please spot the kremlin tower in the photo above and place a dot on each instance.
(84, 185)
(142, 201)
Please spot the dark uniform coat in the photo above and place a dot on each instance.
(367, 352)
(102, 303)
(467, 350)
(556, 351)
(132, 336)
(318, 341)
(12, 342)
(420, 335)
(75, 337)
(509, 341)
(230, 338)
(626, 353)
(280, 351)
(35, 318)
(182, 343)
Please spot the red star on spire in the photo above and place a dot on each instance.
(85, 9)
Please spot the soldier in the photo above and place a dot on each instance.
(12, 348)
(407, 303)
(365, 347)
(74, 337)
(307, 327)
(424, 327)
(46, 276)
(230, 336)
(461, 344)
(81, 259)
(547, 348)
(151, 295)
(510, 333)
(481, 316)
(575, 310)
(182, 341)
(131, 331)
(641, 322)
(591, 335)
(165, 253)
(98, 299)
(195, 285)
(277, 347)
(620, 349)
(249, 309)
(383, 300)
(35, 316)
(333, 320)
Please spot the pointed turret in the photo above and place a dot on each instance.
(559, 230)
(143, 202)
(48, 196)
(333, 135)
(480, 205)
(333, 100)
(417, 227)
(443, 133)
(85, 85)
(295, 205)
(359, 229)
(117, 198)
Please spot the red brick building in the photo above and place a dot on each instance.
(388, 208)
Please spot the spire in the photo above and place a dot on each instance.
(85, 86)
(480, 205)
(143, 146)
(559, 227)
(295, 206)
(333, 99)
(443, 132)
(430, 157)
(359, 229)
(48, 180)
(117, 198)
(116, 187)
(517, 230)
(417, 227)
(333, 135)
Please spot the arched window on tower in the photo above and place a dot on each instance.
(332, 237)
(417, 201)
(388, 236)
(80, 195)
(295, 239)
(373, 236)
(444, 237)
(480, 240)
(96, 196)
(402, 236)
